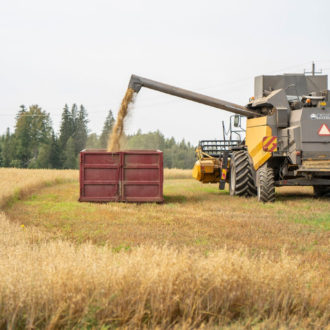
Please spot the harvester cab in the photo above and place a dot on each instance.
(287, 140)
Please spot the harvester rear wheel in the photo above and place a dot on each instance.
(266, 184)
(241, 177)
(321, 191)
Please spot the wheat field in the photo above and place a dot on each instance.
(50, 280)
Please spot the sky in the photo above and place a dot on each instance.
(84, 52)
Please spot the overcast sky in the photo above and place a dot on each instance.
(57, 52)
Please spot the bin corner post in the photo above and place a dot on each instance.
(161, 169)
(121, 182)
(81, 175)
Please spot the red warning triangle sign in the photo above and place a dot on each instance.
(324, 130)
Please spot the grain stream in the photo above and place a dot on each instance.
(118, 130)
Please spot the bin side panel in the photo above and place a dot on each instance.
(106, 191)
(142, 176)
(137, 159)
(100, 174)
(146, 192)
(102, 158)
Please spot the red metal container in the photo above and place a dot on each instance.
(127, 176)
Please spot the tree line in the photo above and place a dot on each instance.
(35, 144)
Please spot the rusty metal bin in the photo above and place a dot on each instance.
(125, 176)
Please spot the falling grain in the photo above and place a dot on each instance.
(117, 132)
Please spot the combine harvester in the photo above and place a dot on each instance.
(287, 136)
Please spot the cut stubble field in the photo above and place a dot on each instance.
(193, 215)
(201, 258)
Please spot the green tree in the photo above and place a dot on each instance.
(33, 128)
(73, 125)
(80, 129)
(93, 141)
(55, 152)
(176, 154)
(67, 127)
(70, 154)
(43, 158)
(74, 114)
(151, 140)
(7, 151)
(1, 163)
(107, 128)
(22, 137)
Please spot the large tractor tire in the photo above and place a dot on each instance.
(265, 184)
(241, 177)
(321, 191)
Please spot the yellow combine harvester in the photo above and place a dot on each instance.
(287, 139)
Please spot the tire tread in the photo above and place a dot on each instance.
(244, 185)
(266, 184)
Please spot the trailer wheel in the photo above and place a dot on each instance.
(321, 191)
(266, 184)
(241, 178)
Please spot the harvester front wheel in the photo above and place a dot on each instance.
(241, 177)
(265, 184)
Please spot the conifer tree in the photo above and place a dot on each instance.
(81, 130)
(74, 115)
(7, 149)
(70, 155)
(107, 128)
(55, 152)
(32, 129)
(93, 142)
(1, 163)
(43, 158)
(22, 137)
(67, 127)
